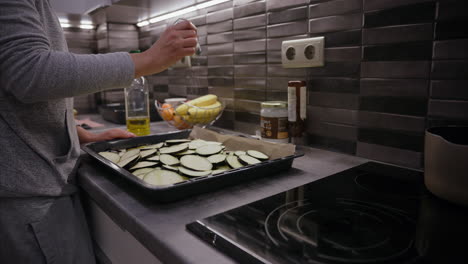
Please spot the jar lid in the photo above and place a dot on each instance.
(296, 83)
(174, 101)
(274, 104)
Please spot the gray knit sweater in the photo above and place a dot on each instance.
(39, 147)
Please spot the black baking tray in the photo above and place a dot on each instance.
(193, 185)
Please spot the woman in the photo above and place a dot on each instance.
(40, 218)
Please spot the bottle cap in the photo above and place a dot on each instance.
(274, 104)
(135, 51)
(296, 83)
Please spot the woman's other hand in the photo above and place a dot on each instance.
(115, 133)
(176, 42)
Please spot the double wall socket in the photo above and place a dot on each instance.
(302, 53)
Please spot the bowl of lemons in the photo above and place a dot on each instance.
(184, 114)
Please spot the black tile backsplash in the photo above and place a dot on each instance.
(392, 69)
(411, 14)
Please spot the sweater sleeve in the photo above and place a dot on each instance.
(31, 71)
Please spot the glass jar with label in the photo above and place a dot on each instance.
(274, 121)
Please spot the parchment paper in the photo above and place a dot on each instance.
(273, 150)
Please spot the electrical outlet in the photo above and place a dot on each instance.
(303, 53)
(185, 62)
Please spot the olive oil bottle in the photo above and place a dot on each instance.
(137, 107)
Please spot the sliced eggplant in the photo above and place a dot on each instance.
(174, 149)
(220, 170)
(187, 152)
(196, 163)
(176, 141)
(140, 173)
(163, 178)
(209, 150)
(143, 164)
(217, 158)
(154, 146)
(168, 159)
(196, 144)
(171, 168)
(154, 158)
(233, 162)
(213, 143)
(240, 153)
(114, 157)
(257, 154)
(246, 159)
(147, 153)
(193, 173)
(130, 153)
(128, 162)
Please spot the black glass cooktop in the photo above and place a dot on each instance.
(367, 214)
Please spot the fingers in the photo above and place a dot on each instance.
(187, 33)
(185, 24)
(189, 42)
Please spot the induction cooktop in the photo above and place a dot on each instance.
(367, 214)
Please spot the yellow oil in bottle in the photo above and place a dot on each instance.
(139, 125)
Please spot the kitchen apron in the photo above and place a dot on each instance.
(44, 230)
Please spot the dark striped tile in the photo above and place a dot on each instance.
(449, 89)
(395, 139)
(220, 38)
(412, 51)
(398, 34)
(288, 15)
(252, 83)
(221, 91)
(343, 54)
(343, 38)
(249, 9)
(335, 69)
(335, 23)
(275, 43)
(453, 69)
(220, 60)
(287, 29)
(250, 70)
(249, 58)
(332, 115)
(333, 144)
(249, 94)
(250, 22)
(451, 29)
(386, 4)
(407, 158)
(391, 122)
(278, 83)
(334, 100)
(338, 131)
(218, 7)
(443, 121)
(161, 88)
(221, 71)
(219, 27)
(249, 46)
(221, 81)
(279, 4)
(448, 109)
(220, 49)
(451, 49)
(274, 57)
(276, 95)
(333, 85)
(219, 16)
(335, 7)
(198, 20)
(279, 71)
(394, 87)
(253, 33)
(410, 14)
(452, 9)
(414, 106)
(395, 69)
(248, 106)
(242, 2)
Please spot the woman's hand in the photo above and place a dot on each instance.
(115, 133)
(176, 42)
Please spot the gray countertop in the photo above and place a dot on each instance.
(160, 227)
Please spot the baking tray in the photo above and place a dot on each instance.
(193, 185)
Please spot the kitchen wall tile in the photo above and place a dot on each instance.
(221, 81)
(252, 83)
(219, 16)
(407, 158)
(220, 49)
(334, 144)
(334, 100)
(391, 138)
(274, 57)
(335, 7)
(275, 43)
(449, 89)
(177, 90)
(337, 131)
(395, 69)
(453, 69)
(243, 2)
(279, 71)
(335, 23)
(413, 51)
(394, 87)
(278, 83)
(249, 22)
(343, 54)
(250, 70)
(410, 14)
(219, 27)
(221, 91)
(451, 29)
(332, 115)
(391, 122)
(398, 34)
(279, 4)
(276, 95)
(386, 4)
(221, 60)
(249, 58)
(221, 71)
(343, 38)
(443, 121)
(452, 9)
(335, 69)
(287, 29)
(202, 40)
(333, 85)
(198, 20)
(451, 49)
(220, 38)
(448, 109)
(248, 128)
(253, 33)
(249, 46)
(217, 7)
(249, 9)
(288, 15)
(249, 106)
(414, 106)
(249, 94)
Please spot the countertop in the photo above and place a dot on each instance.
(160, 227)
